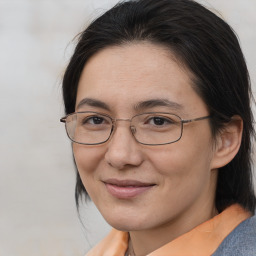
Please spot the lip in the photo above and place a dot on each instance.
(125, 189)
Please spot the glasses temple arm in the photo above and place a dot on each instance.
(63, 120)
(196, 119)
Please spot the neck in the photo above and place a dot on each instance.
(144, 242)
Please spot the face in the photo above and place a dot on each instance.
(135, 186)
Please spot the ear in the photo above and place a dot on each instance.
(228, 142)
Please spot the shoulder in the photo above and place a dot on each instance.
(241, 241)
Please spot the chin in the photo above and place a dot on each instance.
(126, 223)
(127, 227)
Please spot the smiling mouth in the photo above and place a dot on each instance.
(125, 189)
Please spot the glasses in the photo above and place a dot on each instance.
(153, 128)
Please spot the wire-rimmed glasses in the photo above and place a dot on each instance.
(152, 128)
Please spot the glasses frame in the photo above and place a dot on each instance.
(114, 120)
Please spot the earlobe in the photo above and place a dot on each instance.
(228, 142)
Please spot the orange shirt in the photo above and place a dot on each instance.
(203, 240)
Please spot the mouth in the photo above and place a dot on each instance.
(125, 189)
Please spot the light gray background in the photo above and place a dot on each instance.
(38, 214)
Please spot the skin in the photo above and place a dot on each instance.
(184, 173)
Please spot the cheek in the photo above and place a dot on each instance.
(87, 160)
(184, 161)
(184, 175)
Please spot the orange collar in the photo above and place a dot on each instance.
(203, 240)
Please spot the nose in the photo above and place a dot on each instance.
(123, 150)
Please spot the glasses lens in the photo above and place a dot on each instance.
(88, 127)
(157, 128)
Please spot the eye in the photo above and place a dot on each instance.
(160, 121)
(94, 120)
(89, 121)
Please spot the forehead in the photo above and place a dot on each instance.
(135, 72)
(132, 62)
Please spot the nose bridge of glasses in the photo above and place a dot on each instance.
(115, 120)
(132, 127)
(122, 119)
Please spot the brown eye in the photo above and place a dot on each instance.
(159, 121)
(94, 120)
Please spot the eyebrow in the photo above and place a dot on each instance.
(93, 103)
(157, 103)
(143, 105)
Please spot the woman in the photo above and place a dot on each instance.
(157, 97)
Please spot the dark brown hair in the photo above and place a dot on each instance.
(208, 47)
